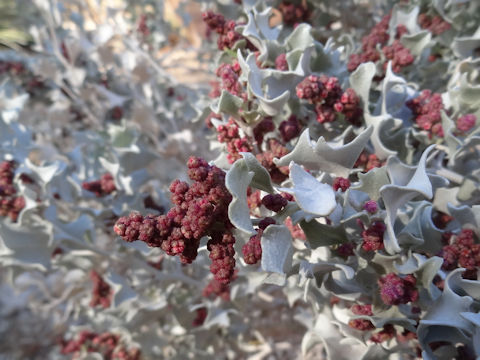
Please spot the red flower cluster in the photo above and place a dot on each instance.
(346, 249)
(289, 129)
(396, 52)
(387, 333)
(361, 324)
(10, 203)
(295, 230)
(11, 67)
(436, 25)
(227, 36)
(373, 236)
(229, 134)
(368, 161)
(326, 94)
(281, 62)
(462, 251)
(142, 27)
(200, 209)
(293, 14)
(371, 206)
(341, 183)
(102, 292)
(102, 187)
(426, 108)
(252, 250)
(217, 289)
(399, 55)
(274, 202)
(107, 344)
(395, 290)
(466, 122)
(229, 74)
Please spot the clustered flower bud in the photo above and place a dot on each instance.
(294, 13)
(229, 74)
(462, 251)
(274, 202)
(10, 203)
(106, 344)
(378, 36)
(387, 333)
(427, 109)
(252, 250)
(289, 129)
(101, 293)
(281, 62)
(368, 161)
(265, 126)
(436, 25)
(361, 324)
(102, 187)
(229, 134)
(373, 236)
(216, 289)
(395, 290)
(371, 206)
(295, 230)
(466, 122)
(227, 36)
(341, 183)
(199, 210)
(142, 27)
(326, 94)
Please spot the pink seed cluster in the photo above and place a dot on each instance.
(229, 134)
(10, 203)
(373, 236)
(436, 25)
(361, 324)
(341, 183)
(289, 129)
(426, 109)
(399, 55)
(102, 187)
(229, 74)
(216, 289)
(466, 122)
(107, 344)
(395, 290)
(368, 161)
(252, 250)
(378, 37)
(329, 99)
(274, 202)
(371, 206)
(227, 36)
(199, 210)
(101, 293)
(462, 251)
(294, 13)
(281, 62)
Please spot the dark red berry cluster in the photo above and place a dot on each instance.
(466, 122)
(436, 25)
(462, 251)
(229, 74)
(201, 315)
(200, 209)
(395, 290)
(102, 187)
(229, 134)
(10, 203)
(274, 202)
(252, 250)
(361, 324)
(329, 99)
(216, 289)
(427, 109)
(227, 36)
(142, 27)
(101, 293)
(106, 344)
(373, 236)
(341, 183)
(368, 161)
(294, 13)
(378, 36)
